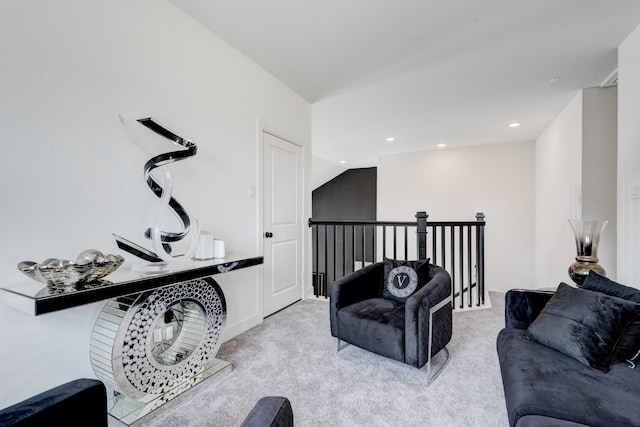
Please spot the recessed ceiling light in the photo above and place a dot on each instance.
(391, 139)
(514, 125)
(342, 162)
(442, 145)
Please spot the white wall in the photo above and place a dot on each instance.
(599, 171)
(558, 169)
(576, 179)
(453, 185)
(71, 176)
(629, 160)
(324, 171)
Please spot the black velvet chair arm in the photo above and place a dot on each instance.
(522, 306)
(81, 402)
(354, 287)
(417, 313)
(270, 411)
(434, 291)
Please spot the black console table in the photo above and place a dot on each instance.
(157, 334)
(34, 298)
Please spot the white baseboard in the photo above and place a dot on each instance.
(240, 327)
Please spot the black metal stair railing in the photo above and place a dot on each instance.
(341, 247)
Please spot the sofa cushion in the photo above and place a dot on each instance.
(539, 380)
(376, 325)
(403, 278)
(600, 283)
(583, 324)
(629, 345)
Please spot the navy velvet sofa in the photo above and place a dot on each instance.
(546, 386)
(83, 402)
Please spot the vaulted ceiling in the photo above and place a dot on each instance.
(425, 72)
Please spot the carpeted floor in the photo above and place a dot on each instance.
(292, 354)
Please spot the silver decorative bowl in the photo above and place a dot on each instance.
(91, 265)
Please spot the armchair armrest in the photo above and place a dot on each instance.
(428, 318)
(437, 289)
(357, 286)
(523, 306)
(270, 411)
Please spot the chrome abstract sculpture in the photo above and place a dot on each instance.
(162, 240)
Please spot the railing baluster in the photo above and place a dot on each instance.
(384, 242)
(453, 259)
(363, 246)
(443, 244)
(373, 244)
(395, 243)
(434, 245)
(469, 270)
(344, 252)
(353, 247)
(406, 243)
(325, 285)
(335, 235)
(461, 264)
(315, 273)
(477, 240)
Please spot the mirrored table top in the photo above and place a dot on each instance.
(35, 298)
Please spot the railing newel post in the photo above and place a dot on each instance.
(421, 217)
(480, 255)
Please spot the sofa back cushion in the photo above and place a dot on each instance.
(629, 346)
(583, 324)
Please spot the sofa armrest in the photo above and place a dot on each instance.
(270, 411)
(78, 402)
(354, 287)
(522, 306)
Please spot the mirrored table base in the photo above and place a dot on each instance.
(152, 346)
(127, 410)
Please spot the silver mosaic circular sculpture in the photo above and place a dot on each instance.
(149, 344)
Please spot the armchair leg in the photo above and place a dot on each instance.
(341, 347)
(432, 377)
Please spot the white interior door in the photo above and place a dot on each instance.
(282, 238)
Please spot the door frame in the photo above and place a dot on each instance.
(263, 127)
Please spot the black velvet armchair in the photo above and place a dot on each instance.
(411, 332)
